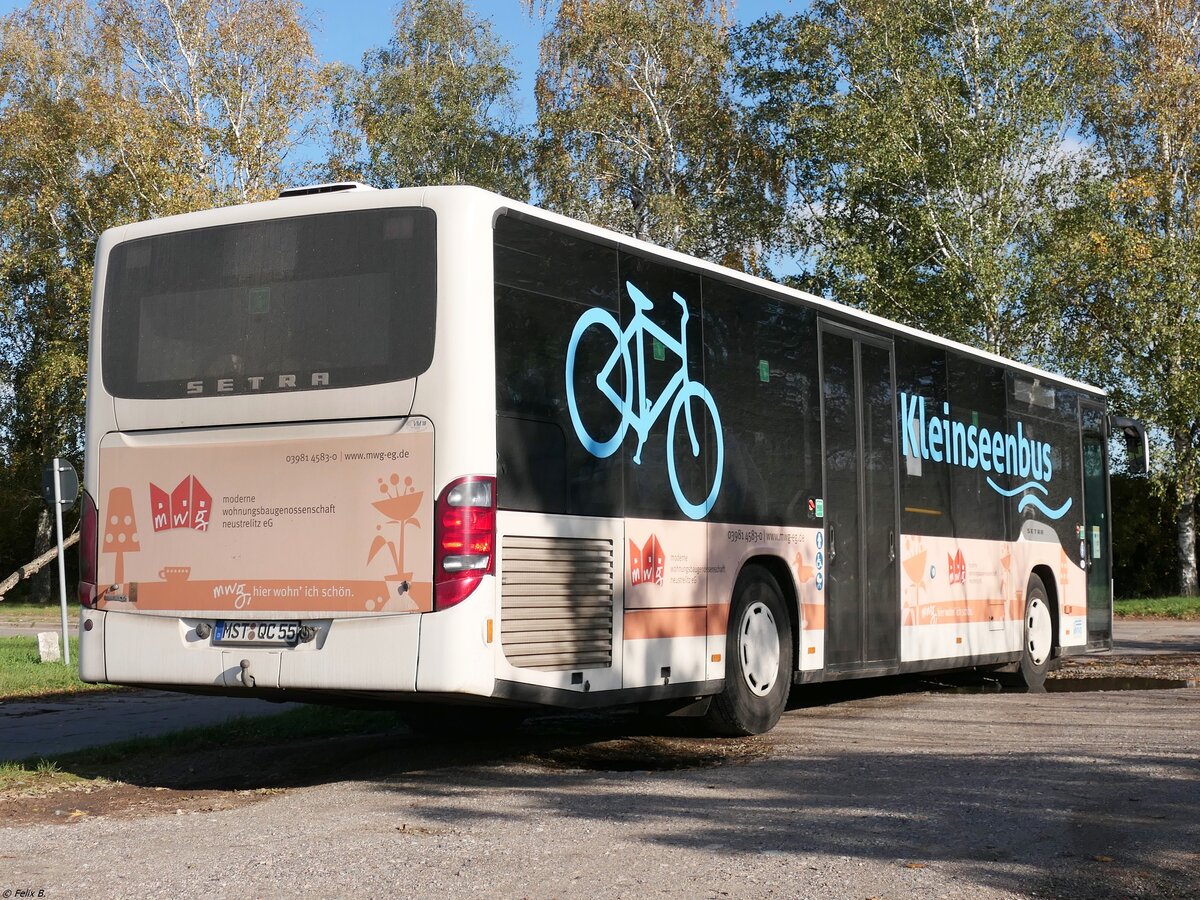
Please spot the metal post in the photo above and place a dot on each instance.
(62, 568)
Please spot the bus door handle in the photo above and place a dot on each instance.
(831, 545)
(891, 545)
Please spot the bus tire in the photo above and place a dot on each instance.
(758, 658)
(1037, 642)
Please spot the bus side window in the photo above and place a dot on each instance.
(976, 392)
(924, 482)
(760, 365)
(545, 280)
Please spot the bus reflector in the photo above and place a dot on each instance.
(88, 525)
(464, 539)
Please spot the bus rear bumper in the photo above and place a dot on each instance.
(443, 653)
(377, 653)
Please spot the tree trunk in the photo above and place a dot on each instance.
(1185, 535)
(40, 586)
(30, 569)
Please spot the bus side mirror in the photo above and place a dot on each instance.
(1137, 444)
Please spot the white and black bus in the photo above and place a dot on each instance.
(434, 446)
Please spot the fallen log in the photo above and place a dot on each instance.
(32, 568)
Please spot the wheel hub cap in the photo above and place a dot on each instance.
(1039, 632)
(758, 647)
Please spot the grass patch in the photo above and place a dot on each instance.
(23, 674)
(130, 761)
(11, 610)
(42, 776)
(1159, 608)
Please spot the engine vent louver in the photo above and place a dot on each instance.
(556, 602)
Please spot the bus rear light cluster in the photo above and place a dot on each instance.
(464, 539)
(88, 527)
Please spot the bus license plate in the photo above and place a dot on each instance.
(271, 633)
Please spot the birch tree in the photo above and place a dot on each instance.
(227, 90)
(1125, 259)
(638, 130)
(136, 109)
(54, 200)
(437, 105)
(925, 145)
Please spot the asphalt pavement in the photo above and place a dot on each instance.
(1134, 637)
(32, 728)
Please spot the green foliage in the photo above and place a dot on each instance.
(214, 95)
(1124, 259)
(919, 156)
(639, 131)
(435, 106)
(922, 144)
(1143, 528)
(53, 201)
(108, 115)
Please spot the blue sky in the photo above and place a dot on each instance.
(349, 28)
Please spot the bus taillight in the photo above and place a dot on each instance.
(88, 521)
(464, 540)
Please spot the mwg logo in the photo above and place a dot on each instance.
(945, 439)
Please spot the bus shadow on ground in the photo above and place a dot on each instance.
(617, 740)
(1079, 820)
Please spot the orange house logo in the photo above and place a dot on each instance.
(647, 564)
(956, 567)
(188, 506)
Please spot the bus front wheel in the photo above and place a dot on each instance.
(758, 658)
(1037, 643)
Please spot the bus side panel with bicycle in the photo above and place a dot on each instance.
(332, 450)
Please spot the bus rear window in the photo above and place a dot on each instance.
(307, 303)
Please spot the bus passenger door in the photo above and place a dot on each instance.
(858, 417)
(1095, 525)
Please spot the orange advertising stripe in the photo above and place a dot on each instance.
(718, 618)
(694, 621)
(644, 624)
(947, 612)
(249, 596)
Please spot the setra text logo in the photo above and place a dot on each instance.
(647, 564)
(188, 506)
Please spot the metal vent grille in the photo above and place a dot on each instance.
(556, 602)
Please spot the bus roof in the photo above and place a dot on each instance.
(322, 202)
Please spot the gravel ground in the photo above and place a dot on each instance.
(918, 794)
(1183, 667)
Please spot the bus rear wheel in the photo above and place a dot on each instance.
(758, 658)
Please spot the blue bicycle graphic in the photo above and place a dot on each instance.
(679, 393)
